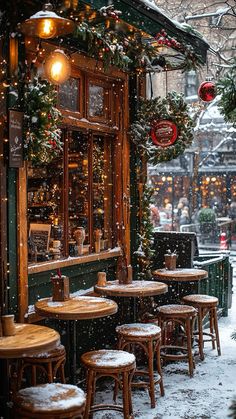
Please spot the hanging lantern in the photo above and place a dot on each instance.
(47, 24)
(57, 67)
(207, 91)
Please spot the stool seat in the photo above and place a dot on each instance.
(45, 365)
(52, 400)
(58, 351)
(108, 359)
(119, 365)
(200, 299)
(139, 330)
(177, 309)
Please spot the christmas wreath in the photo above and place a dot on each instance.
(163, 128)
(42, 134)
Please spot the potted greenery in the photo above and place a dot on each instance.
(207, 220)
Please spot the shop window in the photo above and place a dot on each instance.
(98, 103)
(68, 95)
(72, 193)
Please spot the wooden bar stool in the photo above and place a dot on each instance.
(148, 337)
(119, 365)
(205, 304)
(49, 364)
(182, 316)
(50, 401)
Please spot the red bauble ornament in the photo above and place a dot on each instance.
(207, 91)
(164, 133)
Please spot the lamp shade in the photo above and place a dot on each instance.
(47, 24)
(57, 67)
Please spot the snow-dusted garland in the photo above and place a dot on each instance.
(227, 88)
(42, 134)
(172, 108)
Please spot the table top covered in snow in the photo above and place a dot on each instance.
(180, 275)
(135, 289)
(29, 339)
(77, 308)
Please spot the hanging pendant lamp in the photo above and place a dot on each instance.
(47, 24)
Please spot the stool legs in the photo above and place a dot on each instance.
(151, 374)
(216, 330)
(200, 331)
(162, 391)
(188, 330)
(90, 393)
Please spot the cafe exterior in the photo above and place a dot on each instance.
(77, 209)
(74, 196)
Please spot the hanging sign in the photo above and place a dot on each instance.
(164, 133)
(15, 138)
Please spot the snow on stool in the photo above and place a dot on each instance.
(51, 401)
(120, 365)
(148, 337)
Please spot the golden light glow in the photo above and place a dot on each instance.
(47, 29)
(57, 67)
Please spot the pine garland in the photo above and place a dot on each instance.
(145, 252)
(227, 88)
(172, 108)
(42, 134)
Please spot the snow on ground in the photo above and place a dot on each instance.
(207, 395)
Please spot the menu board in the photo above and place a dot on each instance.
(39, 235)
(15, 138)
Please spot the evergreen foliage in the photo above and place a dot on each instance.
(172, 108)
(145, 251)
(206, 215)
(227, 88)
(42, 134)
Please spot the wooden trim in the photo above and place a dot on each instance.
(3, 223)
(63, 263)
(22, 240)
(72, 122)
(65, 191)
(90, 192)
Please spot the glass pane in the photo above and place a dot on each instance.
(96, 100)
(68, 95)
(102, 190)
(78, 193)
(45, 206)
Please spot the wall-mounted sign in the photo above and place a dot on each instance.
(164, 133)
(15, 138)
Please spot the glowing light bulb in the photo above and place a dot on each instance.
(57, 67)
(47, 29)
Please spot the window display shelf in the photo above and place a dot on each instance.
(38, 267)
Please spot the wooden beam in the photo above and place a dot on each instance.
(22, 239)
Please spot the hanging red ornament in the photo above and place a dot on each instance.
(164, 133)
(207, 91)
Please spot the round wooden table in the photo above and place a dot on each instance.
(30, 339)
(180, 275)
(135, 289)
(77, 308)
(180, 281)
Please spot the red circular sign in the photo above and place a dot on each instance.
(164, 133)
